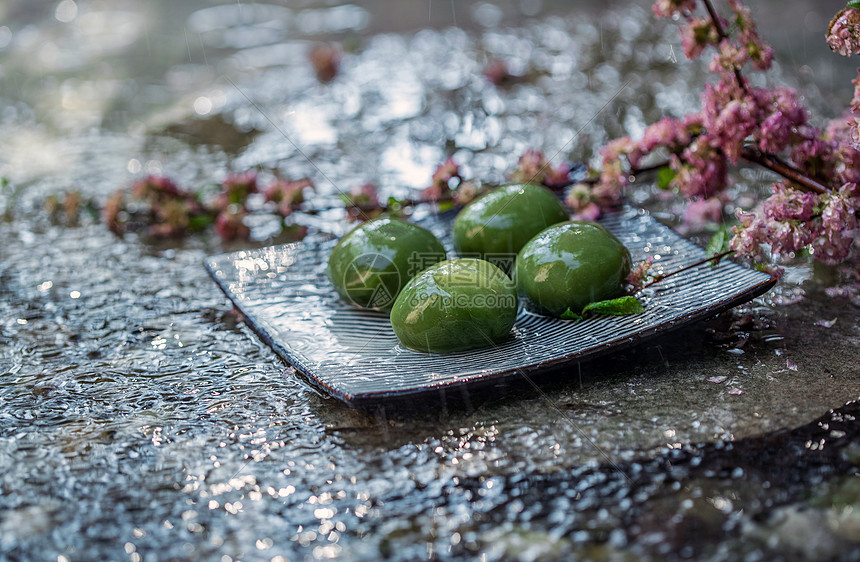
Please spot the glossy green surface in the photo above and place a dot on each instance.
(569, 265)
(502, 221)
(370, 264)
(455, 305)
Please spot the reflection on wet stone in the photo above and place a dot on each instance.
(140, 418)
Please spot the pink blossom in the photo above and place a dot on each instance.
(111, 211)
(496, 72)
(843, 35)
(172, 218)
(235, 189)
(757, 51)
(788, 223)
(814, 154)
(638, 275)
(729, 57)
(363, 196)
(775, 133)
(846, 166)
(533, 167)
(557, 177)
(749, 235)
(729, 115)
(854, 128)
(839, 129)
(700, 170)
(697, 34)
(788, 203)
(667, 8)
(230, 224)
(589, 212)
(325, 60)
(787, 101)
(760, 53)
(287, 194)
(846, 129)
(839, 227)
(700, 212)
(693, 123)
(152, 187)
(786, 114)
(789, 236)
(614, 149)
(855, 100)
(854, 122)
(607, 195)
(668, 132)
(466, 192)
(613, 178)
(581, 201)
(440, 188)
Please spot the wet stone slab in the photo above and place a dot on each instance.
(139, 416)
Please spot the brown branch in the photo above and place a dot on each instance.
(750, 154)
(724, 36)
(658, 278)
(783, 168)
(716, 19)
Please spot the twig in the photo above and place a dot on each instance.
(750, 154)
(783, 168)
(723, 36)
(658, 278)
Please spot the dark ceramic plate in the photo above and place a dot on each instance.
(354, 355)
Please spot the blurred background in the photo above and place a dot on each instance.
(148, 73)
(139, 417)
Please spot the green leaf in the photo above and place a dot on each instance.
(719, 242)
(445, 206)
(853, 4)
(621, 306)
(665, 175)
(346, 199)
(199, 222)
(570, 315)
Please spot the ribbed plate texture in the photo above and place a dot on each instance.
(354, 355)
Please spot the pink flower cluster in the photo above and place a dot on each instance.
(739, 121)
(843, 35)
(533, 167)
(168, 211)
(791, 220)
(639, 275)
(668, 8)
(756, 51)
(287, 194)
(362, 202)
(440, 188)
(231, 204)
(325, 60)
(853, 121)
(448, 184)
